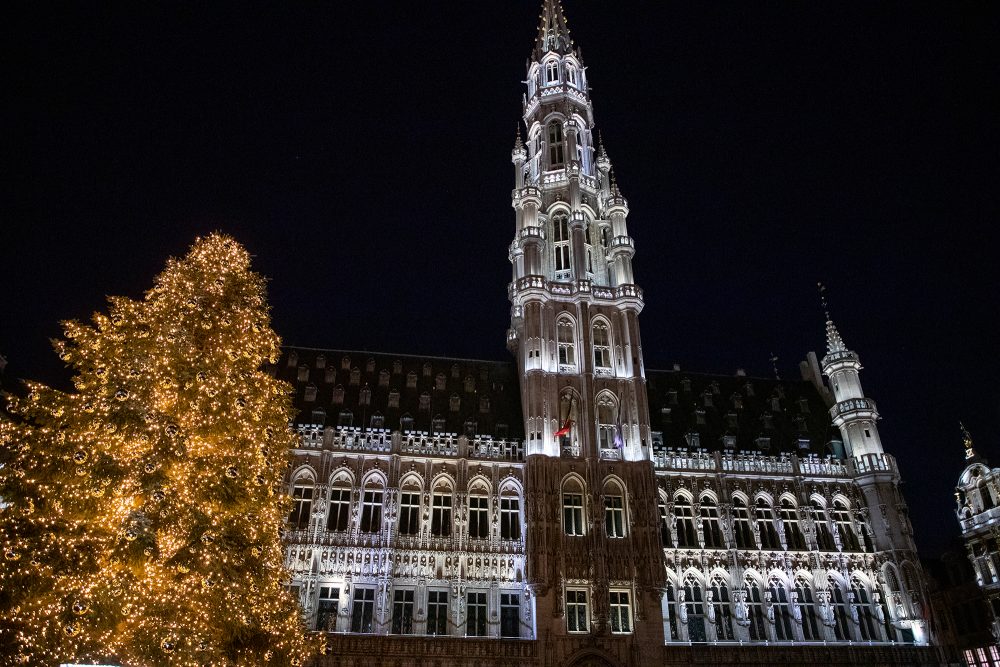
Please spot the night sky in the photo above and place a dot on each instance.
(363, 155)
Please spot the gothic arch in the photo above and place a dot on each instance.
(374, 478)
(412, 478)
(304, 472)
(342, 475)
(443, 479)
(477, 481)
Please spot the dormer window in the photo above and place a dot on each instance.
(571, 75)
(394, 398)
(411, 380)
(365, 396)
(484, 403)
(378, 420)
(406, 423)
(454, 403)
(355, 376)
(686, 385)
(345, 363)
(397, 367)
(427, 370)
(439, 381)
(370, 366)
(383, 378)
(338, 395)
(425, 402)
(320, 361)
(551, 72)
(303, 373)
(470, 384)
(438, 424)
(310, 393)
(556, 150)
(729, 441)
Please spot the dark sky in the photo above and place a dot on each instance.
(363, 155)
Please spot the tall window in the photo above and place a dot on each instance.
(510, 615)
(664, 526)
(576, 610)
(566, 341)
(363, 610)
(866, 618)
(606, 422)
(684, 515)
(790, 520)
(723, 615)
(402, 612)
(572, 502)
(824, 539)
(810, 627)
(710, 527)
(302, 497)
(840, 611)
(571, 74)
(479, 512)
(475, 618)
(326, 611)
(765, 526)
(560, 237)
(371, 511)
(602, 346)
(621, 612)
(782, 617)
(437, 612)
(741, 525)
(510, 517)
(441, 512)
(340, 508)
(409, 512)
(755, 609)
(693, 598)
(614, 511)
(845, 527)
(556, 147)
(551, 72)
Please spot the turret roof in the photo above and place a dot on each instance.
(553, 32)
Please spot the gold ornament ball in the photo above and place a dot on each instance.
(72, 629)
(80, 608)
(12, 555)
(167, 645)
(232, 472)
(80, 457)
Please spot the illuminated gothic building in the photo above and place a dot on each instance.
(574, 507)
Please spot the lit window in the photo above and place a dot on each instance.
(571, 74)
(810, 627)
(338, 395)
(606, 428)
(310, 392)
(551, 72)
(402, 612)
(576, 610)
(664, 526)
(427, 369)
(303, 373)
(470, 384)
(441, 513)
(755, 610)
(475, 620)
(363, 610)
(573, 509)
(824, 538)
(555, 145)
(425, 402)
(621, 612)
(345, 363)
(479, 522)
(614, 512)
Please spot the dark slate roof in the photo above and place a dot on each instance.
(487, 392)
(785, 412)
(768, 416)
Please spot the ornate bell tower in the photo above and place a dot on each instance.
(595, 557)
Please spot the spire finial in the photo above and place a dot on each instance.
(517, 139)
(774, 365)
(970, 453)
(553, 32)
(834, 343)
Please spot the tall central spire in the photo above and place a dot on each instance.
(553, 32)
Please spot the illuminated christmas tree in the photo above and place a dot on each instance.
(141, 514)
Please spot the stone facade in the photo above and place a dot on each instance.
(573, 507)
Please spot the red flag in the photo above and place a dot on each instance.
(565, 429)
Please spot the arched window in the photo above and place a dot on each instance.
(838, 604)
(602, 346)
(572, 503)
(302, 497)
(824, 538)
(355, 376)
(665, 526)
(560, 239)
(455, 403)
(338, 395)
(394, 398)
(710, 528)
(510, 514)
(866, 617)
(551, 72)
(371, 507)
(782, 616)
(694, 600)
(383, 378)
(684, 515)
(409, 508)
(566, 342)
(720, 603)
(790, 520)
(614, 510)
(365, 396)
(606, 427)
(755, 610)
(441, 510)
(741, 524)
(571, 75)
(339, 514)
(439, 381)
(556, 148)
(985, 495)
(810, 627)
(765, 525)
(845, 527)
(479, 512)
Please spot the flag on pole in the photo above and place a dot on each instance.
(619, 438)
(567, 425)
